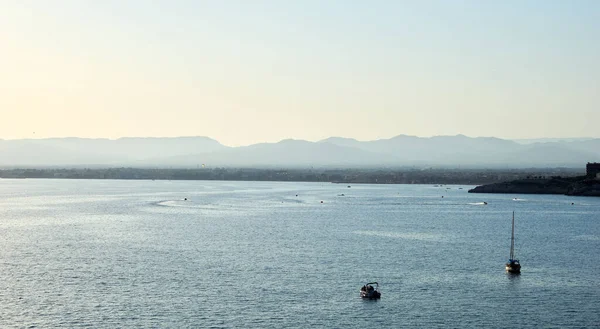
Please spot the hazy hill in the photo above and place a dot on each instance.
(85, 151)
(550, 154)
(42, 153)
(551, 140)
(286, 153)
(402, 150)
(461, 150)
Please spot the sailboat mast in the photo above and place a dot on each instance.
(512, 238)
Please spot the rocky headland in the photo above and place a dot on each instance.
(579, 186)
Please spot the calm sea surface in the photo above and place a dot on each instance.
(108, 254)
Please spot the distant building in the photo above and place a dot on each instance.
(592, 169)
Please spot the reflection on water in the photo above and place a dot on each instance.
(513, 277)
(398, 235)
(108, 254)
(587, 237)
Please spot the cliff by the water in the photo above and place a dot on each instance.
(580, 186)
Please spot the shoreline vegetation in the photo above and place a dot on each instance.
(345, 176)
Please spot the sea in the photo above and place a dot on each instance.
(223, 254)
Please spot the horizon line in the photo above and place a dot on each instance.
(287, 139)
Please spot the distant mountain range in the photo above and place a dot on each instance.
(402, 150)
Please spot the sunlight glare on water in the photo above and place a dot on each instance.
(105, 254)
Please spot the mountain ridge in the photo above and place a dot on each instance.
(401, 150)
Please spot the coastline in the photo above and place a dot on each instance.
(434, 176)
(574, 186)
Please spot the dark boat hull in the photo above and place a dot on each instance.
(513, 268)
(370, 295)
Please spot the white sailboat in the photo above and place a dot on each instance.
(513, 265)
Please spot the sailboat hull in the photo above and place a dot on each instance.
(513, 268)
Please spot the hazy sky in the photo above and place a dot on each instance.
(252, 71)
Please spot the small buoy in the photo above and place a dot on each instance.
(184, 199)
(321, 201)
(572, 203)
(442, 196)
(296, 194)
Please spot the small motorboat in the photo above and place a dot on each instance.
(368, 291)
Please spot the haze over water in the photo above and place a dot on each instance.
(108, 254)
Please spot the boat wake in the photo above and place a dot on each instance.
(186, 204)
(587, 237)
(478, 203)
(398, 235)
(177, 203)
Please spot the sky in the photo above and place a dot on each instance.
(244, 72)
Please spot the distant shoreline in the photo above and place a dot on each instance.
(341, 176)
